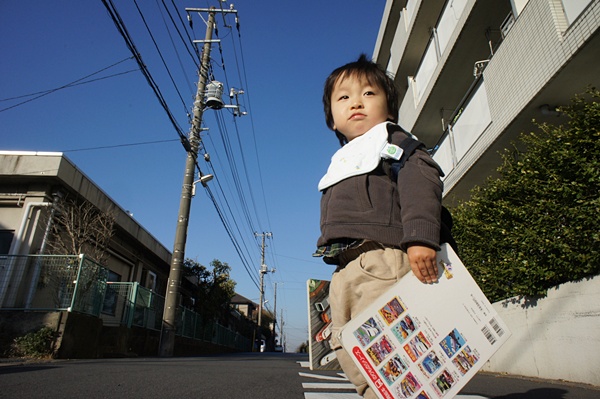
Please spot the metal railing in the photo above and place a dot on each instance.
(52, 282)
(130, 304)
(78, 284)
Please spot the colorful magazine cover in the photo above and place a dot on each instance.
(321, 356)
(426, 340)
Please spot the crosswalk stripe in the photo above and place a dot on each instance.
(335, 395)
(322, 377)
(342, 395)
(327, 385)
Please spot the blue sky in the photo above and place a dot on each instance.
(280, 58)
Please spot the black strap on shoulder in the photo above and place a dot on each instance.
(408, 145)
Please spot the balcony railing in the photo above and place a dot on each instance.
(469, 122)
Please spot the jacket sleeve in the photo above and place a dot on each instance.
(420, 192)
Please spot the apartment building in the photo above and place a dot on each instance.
(473, 74)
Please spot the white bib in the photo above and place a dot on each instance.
(357, 157)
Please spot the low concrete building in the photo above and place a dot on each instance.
(29, 182)
(129, 290)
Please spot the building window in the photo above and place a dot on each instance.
(6, 237)
(150, 282)
(111, 298)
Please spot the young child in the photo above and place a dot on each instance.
(373, 229)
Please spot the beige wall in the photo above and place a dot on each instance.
(557, 338)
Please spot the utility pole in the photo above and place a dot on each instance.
(281, 324)
(263, 271)
(169, 327)
(274, 313)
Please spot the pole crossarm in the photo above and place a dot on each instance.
(212, 10)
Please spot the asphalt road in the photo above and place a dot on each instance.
(243, 376)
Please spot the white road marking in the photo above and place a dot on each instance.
(342, 395)
(322, 377)
(327, 385)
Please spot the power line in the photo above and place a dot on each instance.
(196, 55)
(77, 82)
(232, 238)
(190, 84)
(114, 14)
(224, 219)
(121, 145)
(260, 174)
(160, 54)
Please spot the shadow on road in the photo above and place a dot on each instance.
(538, 393)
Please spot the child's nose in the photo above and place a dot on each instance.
(357, 104)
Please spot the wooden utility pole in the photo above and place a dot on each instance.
(169, 327)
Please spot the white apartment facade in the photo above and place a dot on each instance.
(473, 74)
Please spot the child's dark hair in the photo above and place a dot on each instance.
(374, 74)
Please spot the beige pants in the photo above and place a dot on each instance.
(352, 289)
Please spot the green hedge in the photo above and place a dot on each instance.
(36, 344)
(537, 224)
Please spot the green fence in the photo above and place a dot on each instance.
(130, 304)
(47, 282)
(78, 284)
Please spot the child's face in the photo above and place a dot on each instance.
(357, 106)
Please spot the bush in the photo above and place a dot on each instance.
(36, 344)
(536, 226)
(303, 348)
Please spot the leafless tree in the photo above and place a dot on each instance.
(75, 226)
(78, 227)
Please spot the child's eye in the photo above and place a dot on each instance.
(369, 93)
(344, 97)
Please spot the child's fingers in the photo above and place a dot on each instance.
(423, 263)
(417, 271)
(425, 273)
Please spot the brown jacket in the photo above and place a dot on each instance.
(371, 206)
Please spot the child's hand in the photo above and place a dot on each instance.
(423, 263)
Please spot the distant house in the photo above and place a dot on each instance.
(244, 306)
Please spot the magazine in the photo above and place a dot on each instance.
(425, 341)
(321, 356)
